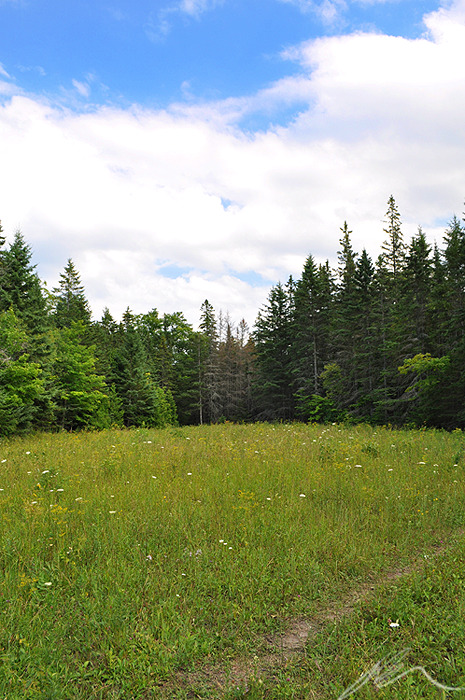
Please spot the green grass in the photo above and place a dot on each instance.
(130, 559)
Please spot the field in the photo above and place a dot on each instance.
(231, 561)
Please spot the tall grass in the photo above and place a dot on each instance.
(127, 556)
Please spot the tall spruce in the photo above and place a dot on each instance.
(209, 397)
(70, 304)
(311, 330)
(273, 338)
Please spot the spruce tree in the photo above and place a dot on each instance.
(80, 391)
(273, 338)
(209, 396)
(21, 381)
(311, 336)
(71, 304)
(21, 288)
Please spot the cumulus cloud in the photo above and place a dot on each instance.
(131, 194)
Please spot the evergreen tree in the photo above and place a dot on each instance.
(439, 307)
(144, 402)
(80, 391)
(178, 357)
(416, 295)
(71, 304)
(273, 338)
(366, 336)
(210, 407)
(21, 288)
(21, 383)
(344, 325)
(392, 344)
(311, 336)
(21, 291)
(393, 249)
(454, 258)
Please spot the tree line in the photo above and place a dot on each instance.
(380, 341)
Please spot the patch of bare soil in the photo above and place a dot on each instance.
(276, 651)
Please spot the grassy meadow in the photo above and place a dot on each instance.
(146, 563)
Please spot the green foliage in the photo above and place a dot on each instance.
(70, 303)
(80, 392)
(427, 388)
(273, 337)
(21, 383)
(320, 409)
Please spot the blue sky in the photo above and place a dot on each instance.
(203, 148)
(154, 53)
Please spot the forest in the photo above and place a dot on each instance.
(379, 341)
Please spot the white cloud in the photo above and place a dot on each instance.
(160, 23)
(328, 11)
(127, 192)
(82, 88)
(195, 8)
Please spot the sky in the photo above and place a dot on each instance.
(183, 150)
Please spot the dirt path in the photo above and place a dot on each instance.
(276, 651)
